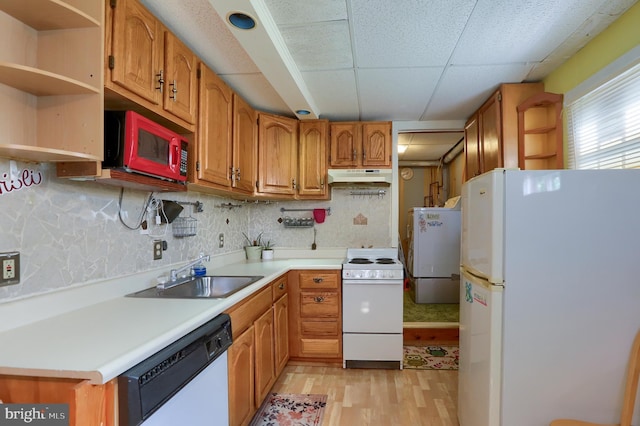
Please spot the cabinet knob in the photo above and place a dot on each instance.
(160, 76)
(174, 91)
(318, 299)
(318, 280)
(281, 286)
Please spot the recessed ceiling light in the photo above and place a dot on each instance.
(242, 21)
(303, 112)
(402, 148)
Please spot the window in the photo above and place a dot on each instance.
(604, 125)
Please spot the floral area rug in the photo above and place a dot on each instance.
(431, 357)
(283, 409)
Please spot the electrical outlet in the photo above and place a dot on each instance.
(157, 249)
(221, 240)
(10, 263)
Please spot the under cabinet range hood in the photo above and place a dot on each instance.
(360, 176)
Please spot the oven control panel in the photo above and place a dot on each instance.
(372, 274)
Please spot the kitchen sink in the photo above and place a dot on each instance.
(206, 287)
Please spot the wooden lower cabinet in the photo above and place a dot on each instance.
(88, 404)
(315, 319)
(260, 348)
(241, 361)
(281, 327)
(265, 361)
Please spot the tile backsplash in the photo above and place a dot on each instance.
(70, 232)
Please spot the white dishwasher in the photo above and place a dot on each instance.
(184, 383)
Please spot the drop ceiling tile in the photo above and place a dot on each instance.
(504, 31)
(196, 23)
(322, 46)
(463, 89)
(286, 12)
(396, 93)
(410, 33)
(334, 94)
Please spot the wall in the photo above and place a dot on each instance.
(68, 233)
(620, 37)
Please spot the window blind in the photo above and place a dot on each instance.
(604, 125)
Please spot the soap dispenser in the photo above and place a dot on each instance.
(199, 270)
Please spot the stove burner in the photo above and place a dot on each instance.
(385, 261)
(360, 261)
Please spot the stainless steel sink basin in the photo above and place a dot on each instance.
(209, 286)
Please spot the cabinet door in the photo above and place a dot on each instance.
(491, 133)
(472, 148)
(137, 50)
(265, 360)
(281, 328)
(313, 159)
(277, 154)
(214, 129)
(245, 146)
(241, 379)
(376, 144)
(181, 79)
(345, 144)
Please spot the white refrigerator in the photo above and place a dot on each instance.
(550, 295)
(433, 258)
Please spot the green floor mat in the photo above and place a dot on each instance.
(429, 312)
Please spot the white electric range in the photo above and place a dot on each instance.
(372, 303)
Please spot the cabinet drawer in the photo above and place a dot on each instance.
(246, 312)
(320, 328)
(319, 279)
(320, 347)
(317, 304)
(279, 287)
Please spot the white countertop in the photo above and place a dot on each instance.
(101, 340)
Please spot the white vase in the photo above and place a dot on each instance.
(253, 252)
(267, 254)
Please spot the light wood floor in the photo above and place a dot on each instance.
(359, 397)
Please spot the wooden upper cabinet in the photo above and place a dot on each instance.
(491, 133)
(472, 148)
(136, 60)
(277, 154)
(376, 144)
(213, 153)
(345, 142)
(312, 168)
(148, 66)
(180, 87)
(360, 145)
(245, 146)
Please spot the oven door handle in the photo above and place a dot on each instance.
(347, 282)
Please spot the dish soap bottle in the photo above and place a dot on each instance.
(199, 270)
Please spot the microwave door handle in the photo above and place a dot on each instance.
(175, 151)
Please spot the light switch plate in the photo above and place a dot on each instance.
(10, 264)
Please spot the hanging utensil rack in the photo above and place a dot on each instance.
(282, 209)
(229, 206)
(380, 193)
(197, 205)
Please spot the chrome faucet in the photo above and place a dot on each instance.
(173, 274)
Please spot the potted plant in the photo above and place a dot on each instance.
(253, 248)
(267, 250)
